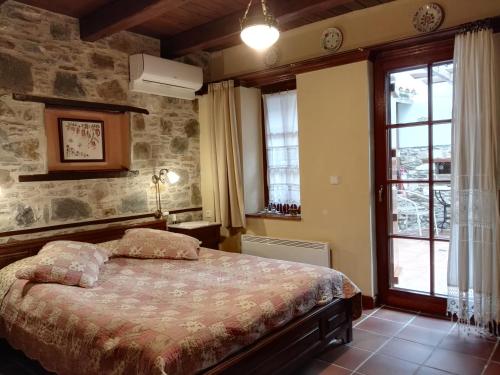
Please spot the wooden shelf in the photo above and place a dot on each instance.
(77, 175)
(79, 104)
(274, 216)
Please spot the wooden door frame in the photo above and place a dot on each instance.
(385, 61)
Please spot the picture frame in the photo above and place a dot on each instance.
(81, 140)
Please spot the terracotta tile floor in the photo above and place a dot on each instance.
(394, 342)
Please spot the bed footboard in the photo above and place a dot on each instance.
(283, 351)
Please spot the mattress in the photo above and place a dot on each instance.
(160, 316)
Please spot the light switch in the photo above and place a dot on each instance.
(334, 180)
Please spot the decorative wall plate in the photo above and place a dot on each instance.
(331, 39)
(271, 57)
(428, 18)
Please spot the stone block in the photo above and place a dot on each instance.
(15, 74)
(70, 208)
(68, 84)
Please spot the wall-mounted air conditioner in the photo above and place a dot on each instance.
(154, 75)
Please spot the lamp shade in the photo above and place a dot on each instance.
(259, 31)
(172, 177)
(260, 36)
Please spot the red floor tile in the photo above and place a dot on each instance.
(468, 344)
(345, 356)
(433, 323)
(496, 355)
(394, 315)
(380, 326)
(456, 363)
(471, 332)
(382, 365)
(407, 350)
(430, 371)
(492, 369)
(370, 311)
(367, 340)
(421, 335)
(318, 367)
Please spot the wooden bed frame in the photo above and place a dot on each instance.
(279, 352)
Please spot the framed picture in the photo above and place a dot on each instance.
(81, 140)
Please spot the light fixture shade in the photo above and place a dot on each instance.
(260, 36)
(259, 31)
(172, 177)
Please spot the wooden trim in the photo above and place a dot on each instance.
(182, 210)
(16, 250)
(288, 72)
(122, 15)
(274, 217)
(77, 175)
(433, 305)
(91, 222)
(78, 104)
(265, 177)
(368, 302)
(279, 87)
(405, 47)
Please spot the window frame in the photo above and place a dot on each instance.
(271, 89)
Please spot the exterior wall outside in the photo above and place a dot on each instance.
(41, 54)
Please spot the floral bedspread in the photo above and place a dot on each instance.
(160, 316)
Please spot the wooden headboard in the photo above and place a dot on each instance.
(15, 250)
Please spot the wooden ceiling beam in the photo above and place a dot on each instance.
(121, 15)
(225, 31)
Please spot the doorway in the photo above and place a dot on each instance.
(413, 107)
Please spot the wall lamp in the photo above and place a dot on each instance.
(163, 176)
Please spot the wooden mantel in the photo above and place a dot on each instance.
(79, 104)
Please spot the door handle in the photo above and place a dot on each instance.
(380, 193)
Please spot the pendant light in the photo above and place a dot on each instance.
(259, 31)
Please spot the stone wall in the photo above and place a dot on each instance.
(41, 54)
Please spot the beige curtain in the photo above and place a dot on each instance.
(225, 153)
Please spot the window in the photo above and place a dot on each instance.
(282, 149)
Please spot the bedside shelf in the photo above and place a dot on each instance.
(77, 175)
(208, 234)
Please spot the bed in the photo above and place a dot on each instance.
(225, 313)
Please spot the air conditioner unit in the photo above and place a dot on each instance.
(154, 75)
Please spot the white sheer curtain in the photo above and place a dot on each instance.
(282, 145)
(225, 153)
(473, 265)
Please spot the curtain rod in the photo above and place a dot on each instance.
(484, 24)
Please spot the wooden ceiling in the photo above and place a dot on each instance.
(186, 26)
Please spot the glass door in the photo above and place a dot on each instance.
(413, 136)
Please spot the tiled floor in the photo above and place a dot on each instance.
(394, 342)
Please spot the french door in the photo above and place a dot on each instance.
(413, 106)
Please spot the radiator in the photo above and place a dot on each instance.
(311, 252)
